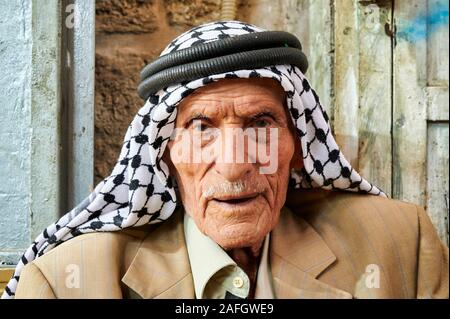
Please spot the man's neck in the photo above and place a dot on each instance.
(247, 258)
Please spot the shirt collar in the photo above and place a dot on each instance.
(203, 265)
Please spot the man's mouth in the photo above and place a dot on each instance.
(235, 200)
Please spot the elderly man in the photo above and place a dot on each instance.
(206, 199)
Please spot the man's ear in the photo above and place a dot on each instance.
(297, 158)
(166, 158)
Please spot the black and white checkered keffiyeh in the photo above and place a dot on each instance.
(140, 191)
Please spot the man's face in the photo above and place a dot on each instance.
(233, 201)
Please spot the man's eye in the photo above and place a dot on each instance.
(261, 123)
(199, 126)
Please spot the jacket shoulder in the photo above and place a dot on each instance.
(354, 222)
(96, 245)
(98, 257)
(340, 207)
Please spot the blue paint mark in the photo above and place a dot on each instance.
(424, 24)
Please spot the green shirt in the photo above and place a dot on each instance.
(215, 273)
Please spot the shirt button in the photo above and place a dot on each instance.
(238, 282)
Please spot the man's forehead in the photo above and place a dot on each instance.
(243, 91)
(256, 84)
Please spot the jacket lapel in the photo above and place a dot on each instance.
(161, 267)
(298, 255)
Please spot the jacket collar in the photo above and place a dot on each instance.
(298, 254)
(161, 267)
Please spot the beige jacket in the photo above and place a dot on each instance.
(335, 245)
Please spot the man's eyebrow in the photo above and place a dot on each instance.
(202, 116)
(262, 114)
(197, 116)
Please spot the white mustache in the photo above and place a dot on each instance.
(231, 188)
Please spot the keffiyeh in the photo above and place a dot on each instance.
(140, 190)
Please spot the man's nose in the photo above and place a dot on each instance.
(233, 172)
(233, 164)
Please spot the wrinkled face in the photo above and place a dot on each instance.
(233, 129)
